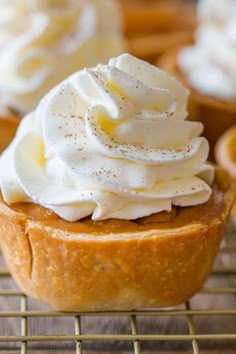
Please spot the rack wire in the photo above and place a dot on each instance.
(206, 322)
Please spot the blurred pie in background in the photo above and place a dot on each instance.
(208, 68)
(225, 154)
(42, 42)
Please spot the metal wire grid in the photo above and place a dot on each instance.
(79, 338)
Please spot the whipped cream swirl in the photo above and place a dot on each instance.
(111, 142)
(210, 65)
(43, 42)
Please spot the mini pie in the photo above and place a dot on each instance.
(161, 260)
(225, 154)
(43, 42)
(216, 115)
(225, 151)
(207, 68)
(107, 201)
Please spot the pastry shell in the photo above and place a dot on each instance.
(161, 260)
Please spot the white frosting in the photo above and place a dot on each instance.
(210, 65)
(44, 41)
(111, 142)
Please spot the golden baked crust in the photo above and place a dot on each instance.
(8, 127)
(161, 260)
(216, 115)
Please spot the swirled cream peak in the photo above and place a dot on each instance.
(110, 142)
(210, 64)
(42, 42)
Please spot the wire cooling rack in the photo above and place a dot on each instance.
(205, 324)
